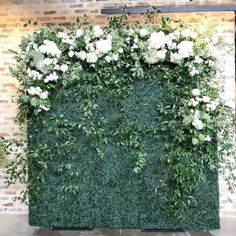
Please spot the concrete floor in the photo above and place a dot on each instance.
(17, 225)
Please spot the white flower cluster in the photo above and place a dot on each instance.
(185, 50)
(45, 70)
(38, 91)
(209, 104)
(66, 38)
(159, 44)
(97, 45)
(50, 48)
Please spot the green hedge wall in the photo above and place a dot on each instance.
(105, 193)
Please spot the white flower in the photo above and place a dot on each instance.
(207, 138)
(104, 45)
(197, 123)
(120, 50)
(56, 67)
(108, 59)
(62, 35)
(206, 99)
(115, 57)
(44, 95)
(91, 57)
(34, 90)
(198, 59)
(136, 40)
(150, 56)
(161, 54)
(185, 49)
(71, 53)
(45, 108)
(79, 33)
(175, 58)
(35, 75)
(90, 47)
(127, 39)
(64, 68)
(131, 31)
(199, 99)
(157, 40)
(143, 32)
(49, 47)
(212, 105)
(196, 92)
(81, 55)
(193, 102)
(176, 33)
(189, 33)
(193, 71)
(52, 77)
(97, 31)
(109, 36)
(47, 61)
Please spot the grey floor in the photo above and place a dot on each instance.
(17, 225)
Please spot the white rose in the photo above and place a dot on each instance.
(71, 53)
(136, 40)
(161, 54)
(79, 33)
(64, 68)
(44, 95)
(91, 57)
(34, 90)
(176, 33)
(97, 31)
(56, 67)
(196, 92)
(120, 50)
(52, 77)
(108, 59)
(81, 55)
(47, 61)
(198, 124)
(104, 45)
(185, 49)
(143, 32)
(198, 59)
(189, 33)
(206, 99)
(109, 36)
(157, 40)
(175, 58)
(150, 57)
(62, 35)
(49, 47)
(43, 49)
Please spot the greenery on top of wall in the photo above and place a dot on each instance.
(109, 61)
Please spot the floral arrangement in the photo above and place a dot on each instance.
(51, 58)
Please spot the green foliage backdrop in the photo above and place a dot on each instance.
(81, 189)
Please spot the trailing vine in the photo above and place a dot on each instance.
(95, 64)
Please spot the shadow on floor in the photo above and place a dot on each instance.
(17, 225)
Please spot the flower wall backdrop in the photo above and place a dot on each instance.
(111, 61)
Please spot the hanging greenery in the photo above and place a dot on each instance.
(91, 61)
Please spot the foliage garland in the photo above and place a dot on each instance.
(109, 61)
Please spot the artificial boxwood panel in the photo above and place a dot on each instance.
(110, 194)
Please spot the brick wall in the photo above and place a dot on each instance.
(13, 13)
